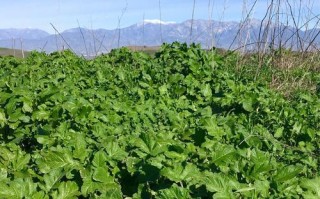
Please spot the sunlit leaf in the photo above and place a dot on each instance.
(174, 192)
(101, 174)
(66, 190)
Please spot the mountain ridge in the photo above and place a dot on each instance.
(208, 33)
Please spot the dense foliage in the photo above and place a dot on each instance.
(176, 125)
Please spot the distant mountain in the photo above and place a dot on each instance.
(154, 32)
(27, 33)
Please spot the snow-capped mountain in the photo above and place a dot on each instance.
(157, 21)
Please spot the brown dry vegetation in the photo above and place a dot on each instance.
(13, 52)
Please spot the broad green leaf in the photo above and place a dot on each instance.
(206, 90)
(174, 192)
(99, 159)
(179, 173)
(163, 89)
(70, 106)
(15, 116)
(206, 112)
(220, 183)
(297, 127)
(213, 128)
(101, 174)
(287, 173)
(150, 144)
(144, 85)
(45, 140)
(176, 156)
(80, 150)
(28, 186)
(245, 189)
(4, 97)
(113, 192)
(223, 155)
(8, 192)
(262, 164)
(12, 156)
(3, 174)
(11, 191)
(40, 115)
(247, 105)
(11, 105)
(312, 186)
(279, 132)
(18, 188)
(25, 118)
(21, 161)
(27, 106)
(262, 188)
(109, 190)
(55, 160)
(131, 163)
(83, 113)
(66, 190)
(52, 178)
(39, 195)
(224, 195)
(194, 65)
(306, 97)
(6, 156)
(88, 186)
(114, 151)
(3, 119)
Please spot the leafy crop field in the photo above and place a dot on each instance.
(174, 125)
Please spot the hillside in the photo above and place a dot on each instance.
(13, 52)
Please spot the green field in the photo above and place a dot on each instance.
(182, 123)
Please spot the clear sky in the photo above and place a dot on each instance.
(64, 14)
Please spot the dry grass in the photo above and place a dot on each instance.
(151, 50)
(286, 72)
(13, 52)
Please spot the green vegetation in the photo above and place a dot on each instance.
(185, 123)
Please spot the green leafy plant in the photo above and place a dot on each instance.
(180, 124)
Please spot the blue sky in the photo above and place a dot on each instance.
(64, 14)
